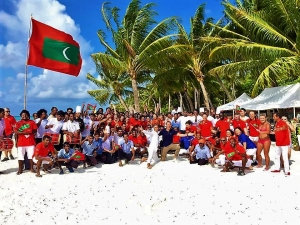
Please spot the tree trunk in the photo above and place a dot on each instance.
(159, 103)
(190, 102)
(210, 102)
(180, 100)
(199, 98)
(229, 96)
(169, 109)
(123, 103)
(195, 97)
(135, 95)
(205, 95)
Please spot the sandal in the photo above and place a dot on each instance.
(38, 175)
(223, 171)
(18, 173)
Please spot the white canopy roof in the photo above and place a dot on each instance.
(276, 97)
(231, 105)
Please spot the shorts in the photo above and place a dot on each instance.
(251, 151)
(221, 160)
(239, 163)
(22, 150)
(254, 139)
(44, 162)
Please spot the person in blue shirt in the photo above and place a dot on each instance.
(64, 159)
(88, 148)
(126, 151)
(98, 153)
(201, 154)
(246, 142)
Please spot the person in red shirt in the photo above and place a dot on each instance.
(189, 128)
(253, 125)
(143, 145)
(222, 125)
(237, 122)
(25, 131)
(10, 121)
(41, 155)
(236, 156)
(143, 123)
(205, 127)
(282, 144)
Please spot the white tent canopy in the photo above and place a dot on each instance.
(231, 105)
(276, 97)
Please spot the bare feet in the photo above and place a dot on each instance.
(259, 166)
(149, 166)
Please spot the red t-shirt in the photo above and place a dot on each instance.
(133, 139)
(253, 125)
(144, 124)
(142, 140)
(191, 129)
(211, 140)
(9, 121)
(205, 128)
(241, 124)
(283, 136)
(43, 151)
(155, 122)
(222, 125)
(195, 142)
(228, 149)
(27, 126)
(133, 122)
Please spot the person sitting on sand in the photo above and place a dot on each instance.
(64, 159)
(89, 147)
(236, 157)
(41, 155)
(126, 151)
(201, 154)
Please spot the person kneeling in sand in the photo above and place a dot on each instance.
(236, 157)
(200, 154)
(126, 151)
(64, 159)
(41, 155)
(89, 147)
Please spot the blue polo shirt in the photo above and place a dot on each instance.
(64, 155)
(175, 124)
(167, 136)
(244, 138)
(126, 147)
(89, 148)
(99, 143)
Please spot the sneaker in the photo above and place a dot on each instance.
(241, 173)
(287, 174)
(5, 159)
(71, 170)
(275, 171)
(61, 172)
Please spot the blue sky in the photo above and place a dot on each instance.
(81, 19)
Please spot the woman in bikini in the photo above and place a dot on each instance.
(264, 142)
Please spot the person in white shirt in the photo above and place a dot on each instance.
(71, 127)
(195, 118)
(54, 125)
(152, 149)
(175, 110)
(215, 120)
(87, 126)
(243, 115)
(41, 123)
(182, 121)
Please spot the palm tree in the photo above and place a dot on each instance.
(141, 45)
(261, 39)
(114, 86)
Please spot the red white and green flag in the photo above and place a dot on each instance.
(90, 107)
(53, 49)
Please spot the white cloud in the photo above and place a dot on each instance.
(44, 84)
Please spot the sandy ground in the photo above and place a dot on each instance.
(173, 192)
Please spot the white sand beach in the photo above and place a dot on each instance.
(170, 193)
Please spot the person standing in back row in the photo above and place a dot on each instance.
(10, 122)
(282, 144)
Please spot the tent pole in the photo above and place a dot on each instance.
(294, 112)
(258, 113)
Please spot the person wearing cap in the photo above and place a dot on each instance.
(200, 154)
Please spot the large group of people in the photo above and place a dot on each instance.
(71, 138)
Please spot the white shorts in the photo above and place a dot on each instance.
(43, 162)
(183, 151)
(221, 160)
(251, 151)
(239, 163)
(22, 150)
(254, 139)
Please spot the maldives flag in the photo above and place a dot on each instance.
(90, 107)
(53, 49)
(78, 156)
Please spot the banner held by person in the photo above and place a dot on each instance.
(53, 49)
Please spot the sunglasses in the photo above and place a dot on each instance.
(6, 111)
(223, 140)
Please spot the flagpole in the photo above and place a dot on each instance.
(26, 67)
